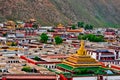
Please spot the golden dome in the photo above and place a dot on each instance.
(10, 23)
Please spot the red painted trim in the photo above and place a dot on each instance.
(115, 67)
(4, 78)
(28, 60)
(37, 62)
(103, 64)
(62, 77)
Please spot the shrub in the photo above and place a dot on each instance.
(26, 69)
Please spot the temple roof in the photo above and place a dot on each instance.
(60, 26)
(81, 58)
(75, 30)
(82, 64)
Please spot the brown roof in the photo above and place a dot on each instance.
(75, 30)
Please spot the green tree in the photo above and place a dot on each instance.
(91, 37)
(91, 26)
(80, 24)
(80, 37)
(73, 27)
(36, 58)
(58, 40)
(88, 27)
(43, 37)
(35, 26)
(26, 69)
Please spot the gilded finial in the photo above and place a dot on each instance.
(60, 25)
(81, 50)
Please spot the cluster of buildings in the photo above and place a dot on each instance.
(24, 57)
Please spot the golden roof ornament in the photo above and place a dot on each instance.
(60, 25)
(82, 50)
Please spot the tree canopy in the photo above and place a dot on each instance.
(91, 37)
(26, 69)
(85, 26)
(58, 40)
(88, 27)
(43, 37)
(73, 27)
(35, 26)
(36, 58)
(80, 24)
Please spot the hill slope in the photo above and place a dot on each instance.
(97, 12)
(101, 12)
(42, 10)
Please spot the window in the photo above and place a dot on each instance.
(50, 67)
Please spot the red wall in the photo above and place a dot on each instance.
(28, 60)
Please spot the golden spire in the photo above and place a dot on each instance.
(81, 50)
(60, 25)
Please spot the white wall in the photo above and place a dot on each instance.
(1, 25)
(94, 55)
(112, 77)
(95, 78)
(85, 78)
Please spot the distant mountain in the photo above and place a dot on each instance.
(48, 12)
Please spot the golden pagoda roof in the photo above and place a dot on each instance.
(60, 26)
(81, 58)
(10, 23)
